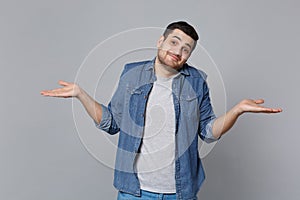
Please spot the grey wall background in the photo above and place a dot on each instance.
(254, 43)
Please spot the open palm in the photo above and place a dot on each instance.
(254, 106)
(68, 90)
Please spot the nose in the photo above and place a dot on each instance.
(177, 51)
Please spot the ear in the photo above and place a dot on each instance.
(160, 41)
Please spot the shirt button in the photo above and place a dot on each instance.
(145, 97)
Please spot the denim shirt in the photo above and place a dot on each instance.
(126, 114)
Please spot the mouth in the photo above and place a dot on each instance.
(174, 57)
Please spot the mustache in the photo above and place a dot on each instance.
(174, 55)
(170, 53)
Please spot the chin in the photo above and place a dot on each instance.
(175, 65)
(172, 65)
(170, 62)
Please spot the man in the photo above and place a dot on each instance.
(161, 163)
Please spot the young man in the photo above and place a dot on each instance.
(151, 162)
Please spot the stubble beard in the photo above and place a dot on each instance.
(161, 61)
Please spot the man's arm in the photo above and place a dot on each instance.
(224, 123)
(93, 108)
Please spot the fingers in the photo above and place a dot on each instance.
(276, 110)
(259, 101)
(43, 92)
(63, 83)
(65, 91)
(270, 110)
(53, 93)
(267, 110)
(255, 106)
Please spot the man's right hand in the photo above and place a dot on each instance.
(68, 90)
(93, 108)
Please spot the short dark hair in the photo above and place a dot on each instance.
(183, 26)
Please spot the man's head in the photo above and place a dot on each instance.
(176, 44)
(183, 26)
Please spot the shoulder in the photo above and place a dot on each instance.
(196, 78)
(194, 72)
(136, 66)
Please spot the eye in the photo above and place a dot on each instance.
(186, 50)
(173, 42)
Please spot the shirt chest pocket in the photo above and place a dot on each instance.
(189, 105)
(137, 99)
(134, 97)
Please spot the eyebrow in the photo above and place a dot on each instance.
(181, 40)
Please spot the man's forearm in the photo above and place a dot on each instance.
(223, 123)
(92, 107)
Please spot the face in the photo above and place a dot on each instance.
(175, 50)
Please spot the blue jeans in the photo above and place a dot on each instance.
(145, 195)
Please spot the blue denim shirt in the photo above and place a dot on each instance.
(126, 114)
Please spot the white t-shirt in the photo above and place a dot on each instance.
(155, 163)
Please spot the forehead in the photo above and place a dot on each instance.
(176, 33)
(182, 36)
